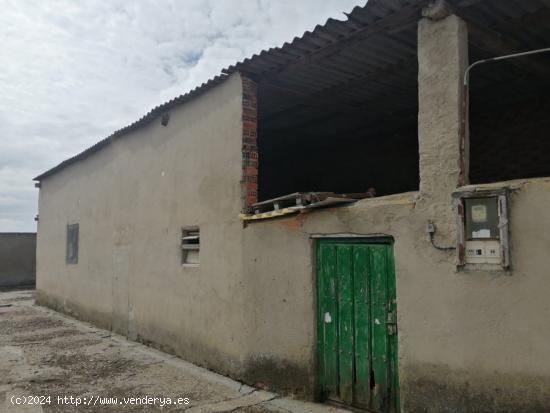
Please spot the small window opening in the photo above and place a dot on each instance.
(71, 254)
(190, 245)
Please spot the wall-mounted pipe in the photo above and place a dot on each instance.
(465, 125)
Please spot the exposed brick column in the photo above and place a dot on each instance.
(250, 143)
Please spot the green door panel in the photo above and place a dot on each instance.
(379, 296)
(395, 406)
(345, 321)
(361, 326)
(357, 348)
(328, 333)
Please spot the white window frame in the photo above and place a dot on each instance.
(190, 242)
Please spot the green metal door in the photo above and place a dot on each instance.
(357, 330)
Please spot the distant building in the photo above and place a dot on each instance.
(17, 260)
(236, 227)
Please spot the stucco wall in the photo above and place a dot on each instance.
(131, 200)
(17, 259)
(468, 341)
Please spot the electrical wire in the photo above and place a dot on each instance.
(432, 240)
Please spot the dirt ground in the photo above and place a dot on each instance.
(47, 358)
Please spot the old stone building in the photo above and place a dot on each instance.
(347, 217)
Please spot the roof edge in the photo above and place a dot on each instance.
(141, 122)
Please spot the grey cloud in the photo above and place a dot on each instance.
(73, 72)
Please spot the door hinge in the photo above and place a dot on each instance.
(391, 322)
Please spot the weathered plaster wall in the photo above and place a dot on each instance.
(17, 259)
(468, 341)
(442, 60)
(131, 200)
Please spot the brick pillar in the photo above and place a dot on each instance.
(442, 60)
(250, 143)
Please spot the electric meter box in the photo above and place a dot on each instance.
(482, 232)
(483, 228)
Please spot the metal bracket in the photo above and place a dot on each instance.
(391, 323)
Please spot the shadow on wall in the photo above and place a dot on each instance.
(17, 260)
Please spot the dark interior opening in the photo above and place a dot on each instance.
(510, 120)
(337, 107)
(341, 163)
(341, 145)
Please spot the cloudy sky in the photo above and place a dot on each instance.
(72, 72)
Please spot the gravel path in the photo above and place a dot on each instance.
(52, 358)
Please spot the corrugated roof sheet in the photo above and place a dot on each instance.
(324, 39)
(375, 39)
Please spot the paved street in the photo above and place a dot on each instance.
(48, 355)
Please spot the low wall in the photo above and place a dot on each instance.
(17, 259)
